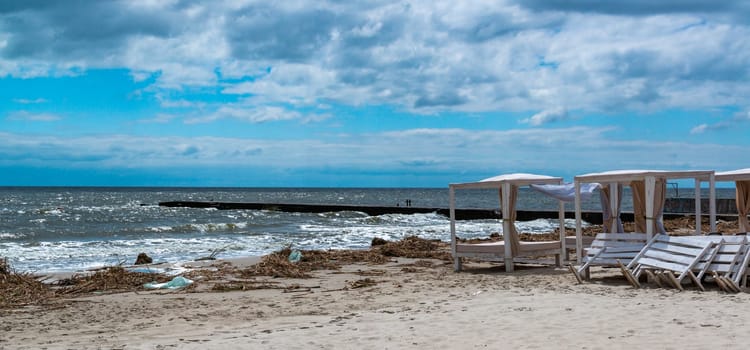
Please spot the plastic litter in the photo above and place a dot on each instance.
(295, 256)
(146, 269)
(176, 283)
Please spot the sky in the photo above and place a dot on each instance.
(331, 93)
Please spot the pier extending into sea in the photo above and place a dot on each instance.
(674, 208)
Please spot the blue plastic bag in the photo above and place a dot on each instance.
(295, 256)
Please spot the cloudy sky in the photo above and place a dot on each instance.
(367, 93)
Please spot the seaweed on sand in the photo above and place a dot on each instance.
(277, 264)
(111, 279)
(19, 289)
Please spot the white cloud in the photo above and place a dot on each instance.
(423, 57)
(26, 101)
(33, 117)
(255, 115)
(160, 118)
(548, 116)
(738, 118)
(699, 129)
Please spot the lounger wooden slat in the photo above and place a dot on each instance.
(615, 248)
(676, 248)
(616, 255)
(668, 256)
(661, 264)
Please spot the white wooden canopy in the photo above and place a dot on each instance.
(649, 177)
(518, 179)
(734, 175)
(741, 178)
(507, 185)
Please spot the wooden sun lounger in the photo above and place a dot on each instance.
(665, 255)
(608, 249)
(728, 266)
(495, 251)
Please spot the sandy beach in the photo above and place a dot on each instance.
(405, 303)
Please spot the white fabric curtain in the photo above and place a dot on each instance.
(660, 194)
(743, 204)
(566, 192)
(639, 205)
(611, 220)
(510, 215)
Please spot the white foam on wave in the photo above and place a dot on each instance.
(8, 235)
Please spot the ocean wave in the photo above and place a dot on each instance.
(8, 235)
(201, 228)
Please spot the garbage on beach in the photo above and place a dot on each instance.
(295, 256)
(176, 283)
(146, 269)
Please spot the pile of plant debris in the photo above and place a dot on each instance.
(18, 289)
(277, 264)
(415, 247)
(111, 279)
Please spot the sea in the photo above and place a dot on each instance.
(65, 229)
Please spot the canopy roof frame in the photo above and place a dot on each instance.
(649, 177)
(733, 175)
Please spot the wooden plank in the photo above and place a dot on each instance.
(624, 248)
(665, 280)
(719, 281)
(696, 281)
(575, 273)
(733, 288)
(668, 257)
(599, 244)
(661, 264)
(653, 277)
(674, 248)
(723, 268)
(610, 262)
(674, 280)
(615, 255)
(621, 236)
(695, 241)
(629, 275)
(721, 258)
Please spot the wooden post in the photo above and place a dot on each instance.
(712, 201)
(579, 230)
(508, 256)
(452, 199)
(650, 186)
(698, 229)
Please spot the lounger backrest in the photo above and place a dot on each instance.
(678, 254)
(616, 246)
(728, 257)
